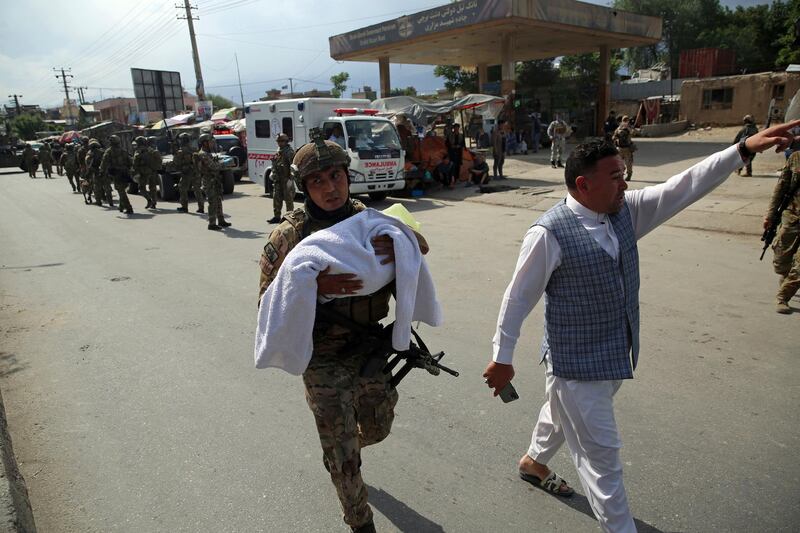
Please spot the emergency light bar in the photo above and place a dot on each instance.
(355, 111)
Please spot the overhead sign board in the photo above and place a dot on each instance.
(157, 90)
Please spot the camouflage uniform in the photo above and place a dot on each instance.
(146, 164)
(284, 189)
(350, 411)
(622, 140)
(207, 169)
(183, 161)
(116, 164)
(46, 160)
(69, 162)
(787, 242)
(93, 175)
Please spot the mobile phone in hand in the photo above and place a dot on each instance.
(509, 393)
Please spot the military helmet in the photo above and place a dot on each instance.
(94, 143)
(748, 119)
(318, 155)
(84, 141)
(140, 141)
(113, 140)
(70, 147)
(282, 137)
(205, 137)
(184, 138)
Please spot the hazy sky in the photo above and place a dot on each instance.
(274, 40)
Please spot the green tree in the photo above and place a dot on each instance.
(27, 125)
(219, 101)
(408, 91)
(339, 84)
(456, 78)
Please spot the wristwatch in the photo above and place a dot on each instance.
(746, 154)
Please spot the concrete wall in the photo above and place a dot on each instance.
(751, 95)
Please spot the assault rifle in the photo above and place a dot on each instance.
(772, 229)
(384, 358)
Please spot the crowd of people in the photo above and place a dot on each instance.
(92, 169)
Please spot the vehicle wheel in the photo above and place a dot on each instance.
(378, 196)
(168, 191)
(227, 182)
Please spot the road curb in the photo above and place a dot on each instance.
(16, 515)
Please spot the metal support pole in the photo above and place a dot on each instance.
(603, 89)
(386, 85)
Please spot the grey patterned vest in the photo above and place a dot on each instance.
(591, 328)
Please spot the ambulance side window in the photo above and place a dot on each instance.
(262, 128)
(286, 124)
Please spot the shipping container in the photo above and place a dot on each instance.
(706, 62)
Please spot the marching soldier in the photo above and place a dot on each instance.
(146, 165)
(46, 159)
(69, 162)
(116, 164)
(284, 189)
(31, 163)
(189, 179)
(208, 170)
(93, 159)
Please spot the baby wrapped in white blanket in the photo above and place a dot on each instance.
(288, 307)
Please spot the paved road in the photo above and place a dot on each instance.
(128, 380)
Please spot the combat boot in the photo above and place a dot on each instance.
(783, 308)
(553, 164)
(129, 211)
(366, 528)
(183, 209)
(200, 209)
(224, 224)
(214, 227)
(559, 164)
(274, 220)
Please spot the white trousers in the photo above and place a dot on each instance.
(557, 149)
(582, 413)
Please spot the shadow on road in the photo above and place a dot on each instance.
(234, 233)
(401, 515)
(580, 503)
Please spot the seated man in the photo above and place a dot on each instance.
(479, 173)
(444, 172)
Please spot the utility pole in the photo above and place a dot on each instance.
(291, 87)
(16, 98)
(238, 75)
(64, 77)
(81, 97)
(201, 92)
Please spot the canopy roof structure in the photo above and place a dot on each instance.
(470, 32)
(422, 112)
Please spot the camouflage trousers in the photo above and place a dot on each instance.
(193, 183)
(627, 156)
(72, 176)
(786, 260)
(101, 183)
(351, 412)
(148, 187)
(121, 186)
(215, 215)
(283, 191)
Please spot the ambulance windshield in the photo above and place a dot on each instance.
(373, 138)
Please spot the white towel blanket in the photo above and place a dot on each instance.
(288, 307)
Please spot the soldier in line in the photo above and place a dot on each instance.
(786, 260)
(31, 163)
(46, 159)
(625, 146)
(183, 161)
(84, 185)
(558, 131)
(58, 151)
(208, 170)
(69, 162)
(93, 159)
(351, 411)
(144, 166)
(747, 130)
(116, 164)
(284, 188)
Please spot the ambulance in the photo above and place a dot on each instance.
(372, 142)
